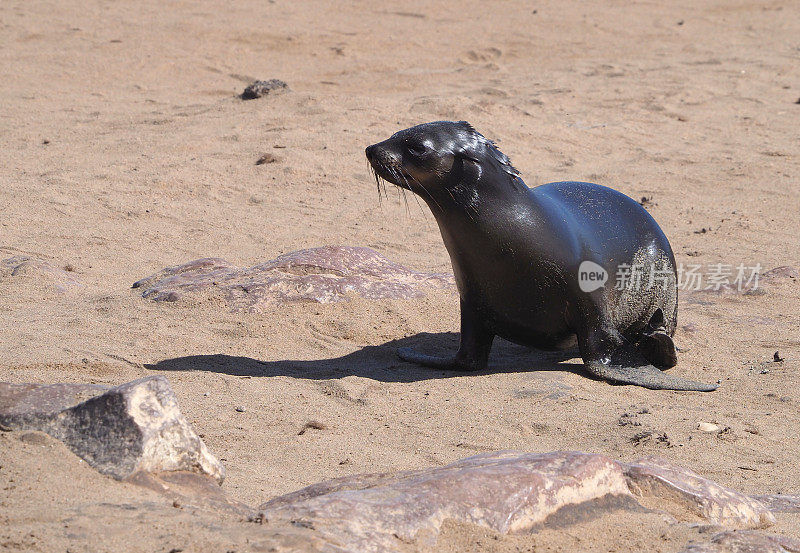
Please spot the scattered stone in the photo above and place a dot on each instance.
(240, 409)
(745, 542)
(651, 436)
(267, 158)
(262, 88)
(135, 427)
(776, 357)
(314, 425)
(655, 478)
(323, 275)
(40, 272)
(708, 427)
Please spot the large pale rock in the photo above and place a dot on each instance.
(745, 541)
(670, 485)
(504, 491)
(508, 492)
(324, 275)
(120, 431)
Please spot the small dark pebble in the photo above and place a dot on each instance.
(777, 357)
(266, 158)
(798, 101)
(680, 22)
(45, 141)
(701, 231)
(262, 88)
(240, 409)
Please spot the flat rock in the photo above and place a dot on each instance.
(507, 492)
(504, 491)
(323, 275)
(39, 272)
(745, 541)
(119, 431)
(670, 485)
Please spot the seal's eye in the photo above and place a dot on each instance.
(415, 150)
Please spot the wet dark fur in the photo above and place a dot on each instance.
(515, 253)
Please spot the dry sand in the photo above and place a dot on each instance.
(125, 149)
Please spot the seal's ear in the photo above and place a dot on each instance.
(470, 165)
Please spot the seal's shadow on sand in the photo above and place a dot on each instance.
(380, 362)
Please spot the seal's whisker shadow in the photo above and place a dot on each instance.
(377, 362)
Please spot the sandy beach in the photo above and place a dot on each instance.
(126, 148)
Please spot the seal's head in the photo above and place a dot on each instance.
(433, 158)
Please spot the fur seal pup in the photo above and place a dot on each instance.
(532, 264)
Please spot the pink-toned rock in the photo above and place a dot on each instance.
(655, 479)
(504, 491)
(41, 272)
(323, 275)
(135, 427)
(745, 541)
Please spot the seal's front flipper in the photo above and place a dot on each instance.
(627, 366)
(473, 353)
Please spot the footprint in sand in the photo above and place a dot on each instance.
(482, 56)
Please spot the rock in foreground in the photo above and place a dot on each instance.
(323, 275)
(508, 492)
(135, 427)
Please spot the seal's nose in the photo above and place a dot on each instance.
(370, 151)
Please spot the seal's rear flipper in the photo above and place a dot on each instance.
(659, 349)
(627, 366)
